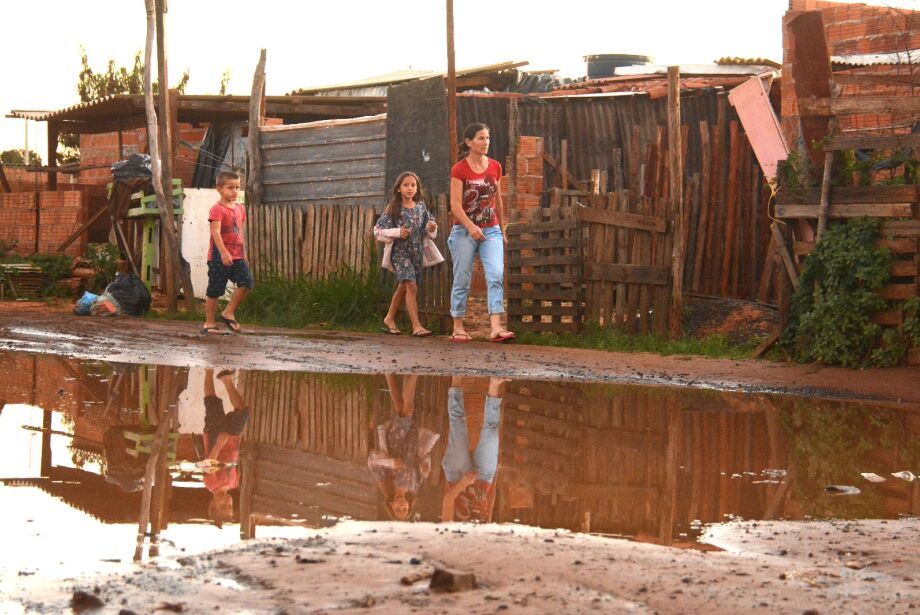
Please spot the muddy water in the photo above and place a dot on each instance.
(266, 453)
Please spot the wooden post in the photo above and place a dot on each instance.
(451, 83)
(168, 281)
(676, 188)
(54, 128)
(164, 198)
(254, 186)
(512, 169)
(564, 164)
(825, 195)
(4, 182)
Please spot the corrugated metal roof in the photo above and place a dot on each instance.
(411, 75)
(877, 59)
(212, 107)
(655, 85)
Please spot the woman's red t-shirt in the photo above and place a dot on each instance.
(479, 190)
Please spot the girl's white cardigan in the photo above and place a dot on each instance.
(430, 253)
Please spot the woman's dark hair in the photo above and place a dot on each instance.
(469, 133)
(394, 207)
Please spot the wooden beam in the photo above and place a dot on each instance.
(847, 142)
(4, 182)
(452, 139)
(825, 203)
(852, 105)
(848, 210)
(626, 274)
(170, 266)
(783, 250)
(569, 177)
(676, 192)
(874, 79)
(850, 194)
(254, 186)
(54, 128)
(83, 228)
(622, 219)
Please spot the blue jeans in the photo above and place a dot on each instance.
(491, 253)
(457, 459)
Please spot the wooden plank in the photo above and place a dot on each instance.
(850, 210)
(543, 295)
(516, 244)
(622, 219)
(904, 269)
(802, 248)
(627, 274)
(731, 208)
(905, 79)
(900, 228)
(850, 194)
(780, 243)
(551, 327)
(901, 245)
(892, 318)
(540, 227)
(538, 309)
(845, 142)
(538, 261)
(898, 291)
(859, 105)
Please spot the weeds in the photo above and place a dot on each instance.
(595, 338)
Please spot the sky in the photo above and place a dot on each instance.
(321, 43)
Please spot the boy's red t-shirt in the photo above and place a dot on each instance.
(231, 224)
(479, 190)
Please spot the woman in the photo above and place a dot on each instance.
(476, 205)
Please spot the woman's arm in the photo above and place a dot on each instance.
(499, 204)
(456, 208)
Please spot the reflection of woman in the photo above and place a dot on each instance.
(222, 443)
(402, 459)
(470, 490)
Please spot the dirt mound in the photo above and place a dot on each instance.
(739, 321)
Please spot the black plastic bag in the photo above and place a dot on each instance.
(136, 166)
(130, 293)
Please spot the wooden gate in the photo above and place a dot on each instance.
(602, 258)
(543, 281)
(626, 262)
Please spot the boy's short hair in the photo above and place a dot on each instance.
(224, 176)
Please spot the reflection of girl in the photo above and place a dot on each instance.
(469, 494)
(402, 459)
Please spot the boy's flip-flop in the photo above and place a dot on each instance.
(503, 336)
(210, 331)
(225, 372)
(231, 324)
(421, 333)
(460, 338)
(390, 330)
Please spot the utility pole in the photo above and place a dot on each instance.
(675, 165)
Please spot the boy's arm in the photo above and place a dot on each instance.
(225, 257)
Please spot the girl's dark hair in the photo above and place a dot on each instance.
(469, 133)
(394, 207)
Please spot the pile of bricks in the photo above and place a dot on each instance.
(529, 172)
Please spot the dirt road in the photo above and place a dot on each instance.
(38, 328)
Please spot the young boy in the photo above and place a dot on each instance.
(226, 257)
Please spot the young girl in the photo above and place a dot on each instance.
(401, 460)
(407, 229)
(476, 204)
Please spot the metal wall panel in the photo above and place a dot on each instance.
(340, 162)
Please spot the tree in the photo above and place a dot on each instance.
(18, 157)
(92, 85)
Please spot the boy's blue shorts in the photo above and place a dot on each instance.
(219, 274)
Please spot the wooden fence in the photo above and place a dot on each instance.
(294, 241)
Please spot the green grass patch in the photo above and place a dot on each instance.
(595, 338)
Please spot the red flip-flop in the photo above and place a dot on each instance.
(503, 336)
(460, 338)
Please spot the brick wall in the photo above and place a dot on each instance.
(852, 29)
(102, 149)
(529, 167)
(22, 180)
(53, 215)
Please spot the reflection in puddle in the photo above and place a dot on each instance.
(273, 449)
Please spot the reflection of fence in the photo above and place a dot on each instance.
(308, 440)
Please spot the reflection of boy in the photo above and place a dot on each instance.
(470, 490)
(222, 443)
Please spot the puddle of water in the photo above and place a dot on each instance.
(270, 453)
